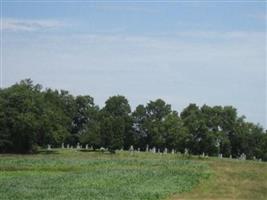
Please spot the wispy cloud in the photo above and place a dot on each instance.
(210, 67)
(259, 16)
(10, 24)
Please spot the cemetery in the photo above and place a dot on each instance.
(81, 172)
(133, 100)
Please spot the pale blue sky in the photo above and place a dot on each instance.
(199, 52)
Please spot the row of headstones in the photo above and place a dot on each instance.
(241, 157)
(78, 146)
(186, 152)
(155, 150)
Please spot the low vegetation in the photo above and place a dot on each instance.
(75, 174)
(232, 179)
(72, 174)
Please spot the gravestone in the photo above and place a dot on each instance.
(220, 156)
(131, 149)
(138, 150)
(154, 150)
(147, 148)
(173, 151)
(243, 156)
(86, 147)
(62, 146)
(230, 156)
(78, 146)
(165, 151)
(49, 147)
(203, 155)
(186, 152)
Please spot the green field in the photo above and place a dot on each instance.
(71, 174)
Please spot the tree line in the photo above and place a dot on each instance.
(32, 117)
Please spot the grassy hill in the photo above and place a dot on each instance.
(72, 174)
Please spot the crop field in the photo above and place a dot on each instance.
(72, 174)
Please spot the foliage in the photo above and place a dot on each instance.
(31, 116)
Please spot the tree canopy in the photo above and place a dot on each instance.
(32, 117)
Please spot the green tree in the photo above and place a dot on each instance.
(116, 123)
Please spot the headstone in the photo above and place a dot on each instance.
(147, 148)
(243, 156)
(260, 160)
(49, 147)
(203, 155)
(86, 146)
(173, 151)
(102, 149)
(220, 156)
(154, 150)
(78, 146)
(131, 149)
(158, 150)
(230, 156)
(165, 151)
(71, 147)
(254, 158)
(138, 149)
(62, 146)
(68, 146)
(186, 152)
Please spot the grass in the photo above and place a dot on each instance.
(71, 174)
(232, 179)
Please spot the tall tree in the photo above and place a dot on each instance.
(116, 123)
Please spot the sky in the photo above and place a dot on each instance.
(184, 52)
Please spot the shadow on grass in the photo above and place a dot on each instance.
(47, 152)
(87, 150)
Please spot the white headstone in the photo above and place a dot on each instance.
(86, 146)
(186, 151)
(230, 156)
(131, 149)
(173, 151)
(62, 146)
(203, 155)
(78, 146)
(165, 151)
(220, 156)
(49, 147)
(243, 156)
(154, 150)
(147, 148)
(68, 146)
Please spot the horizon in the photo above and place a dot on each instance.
(195, 52)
